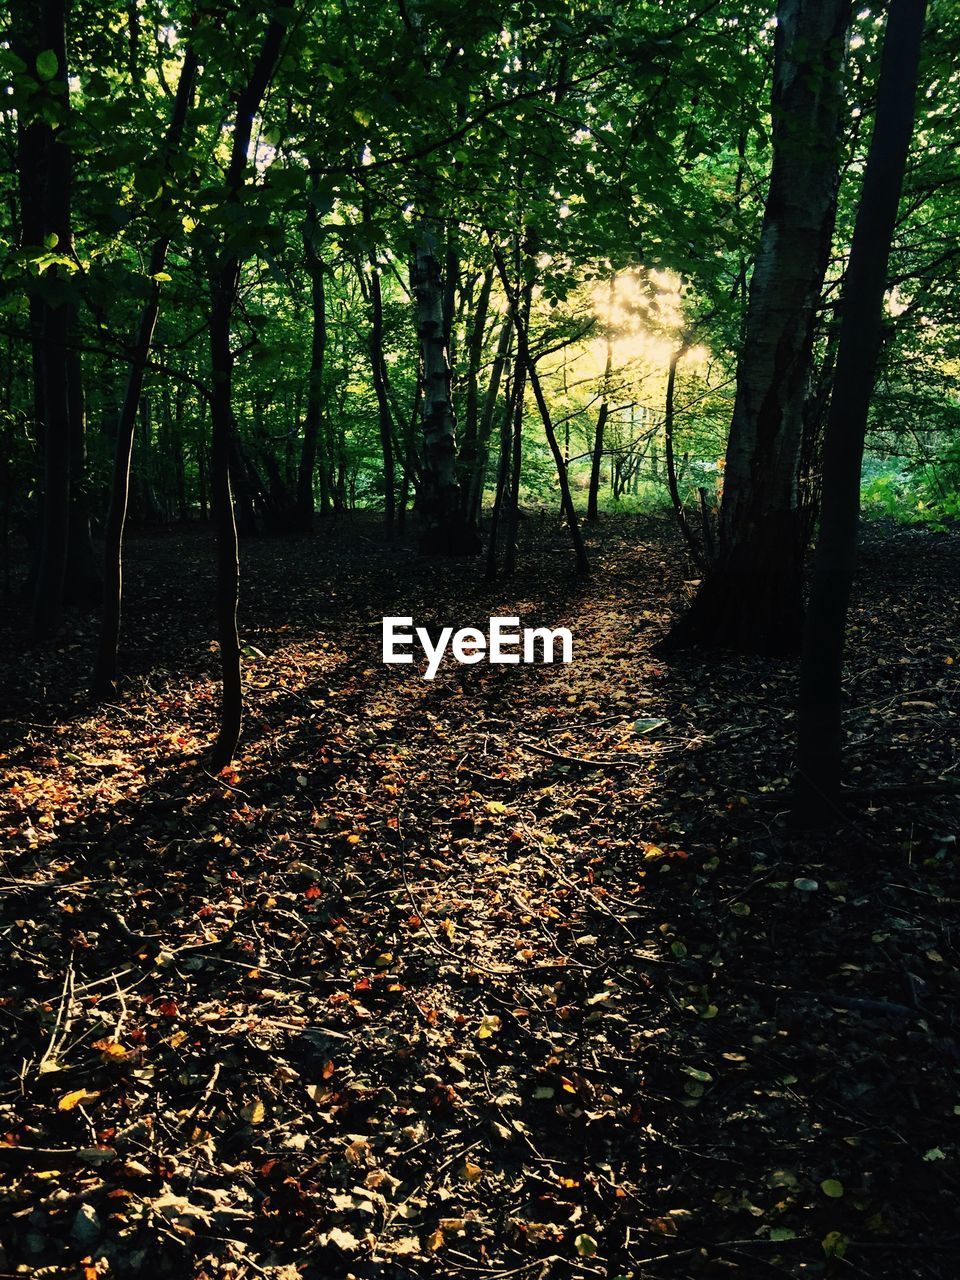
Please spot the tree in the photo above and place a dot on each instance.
(105, 665)
(55, 181)
(445, 528)
(819, 746)
(224, 279)
(750, 598)
(313, 417)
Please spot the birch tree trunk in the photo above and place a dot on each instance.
(445, 528)
(751, 597)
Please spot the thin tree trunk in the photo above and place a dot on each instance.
(469, 443)
(596, 464)
(479, 470)
(503, 473)
(523, 348)
(672, 481)
(318, 345)
(224, 282)
(105, 664)
(82, 585)
(819, 754)
(409, 479)
(751, 597)
(384, 416)
(516, 453)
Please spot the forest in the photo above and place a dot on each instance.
(343, 346)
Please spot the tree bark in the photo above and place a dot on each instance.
(105, 663)
(751, 597)
(82, 585)
(503, 473)
(318, 346)
(672, 482)
(478, 473)
(469, 443)
(819, 754)
(515, 452)
(523, 349)
(32, 140)
(445, 529)
(384, 414)
(225, 279)
(596, 462)
(56, 311)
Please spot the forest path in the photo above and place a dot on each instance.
(401, 995)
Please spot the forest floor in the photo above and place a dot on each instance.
(478, 976)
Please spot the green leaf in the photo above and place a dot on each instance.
(834, 1244)
(832, 1188)
(783, 1233)
(47, 64)
(51, 240)
(697, 1074)
(585, 1245)
(647, 726)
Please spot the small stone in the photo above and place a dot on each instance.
(86, 1228)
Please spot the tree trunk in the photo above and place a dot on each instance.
(672, 482)
(751, 597)
(469, 443)
(409, 479)
(105, 664)
(384, 415)
(32, 141)
(503, 473)
(82, 586)
(820, 717)
(515, 454)
(314, 414)
(477, 477)
(224, 281)
(56, 311)
(596, 463)
(445, 529)
(523, 348)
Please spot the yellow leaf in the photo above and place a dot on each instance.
(254, 1112)
(71, 1100)
(471, 1172)
(110, 1048)
(435, 1240)
(489, 1025)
